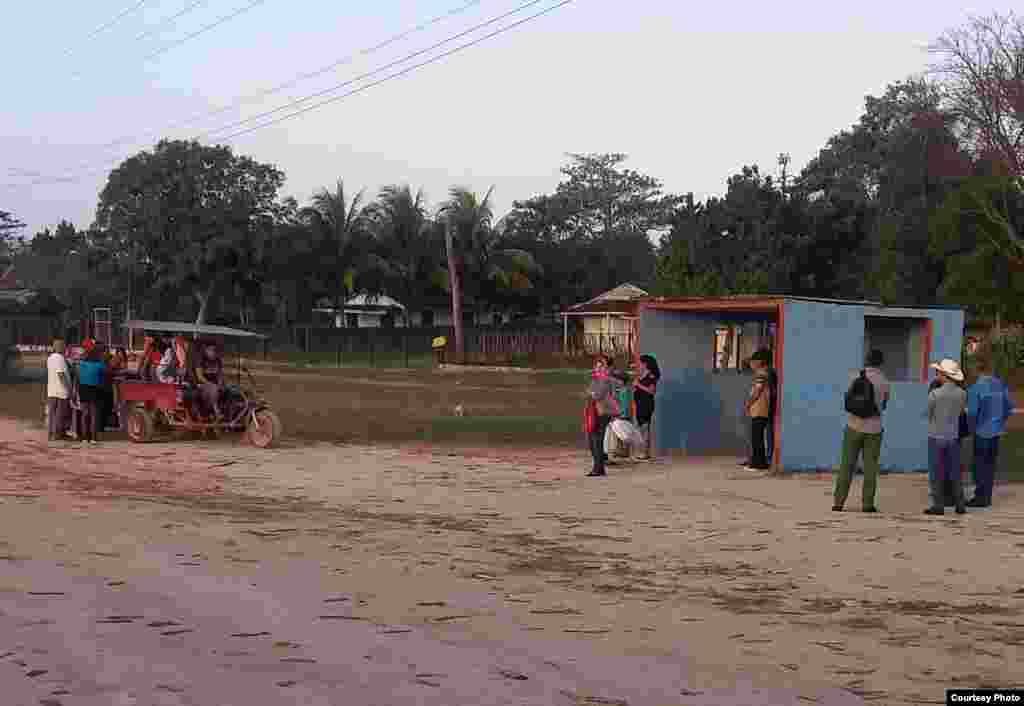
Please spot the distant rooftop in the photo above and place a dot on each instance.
(625, 293)
(767, 298)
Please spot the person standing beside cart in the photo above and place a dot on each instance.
(91, 374)
(58, 391)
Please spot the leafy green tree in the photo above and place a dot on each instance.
(743, 243)
(969, 230)
(465, 216)
(70, 268)
(409, 242)
(199, 216)
(870, 194)
(480, 263)
(293, 275)
(10, 227)
(599, 197)
(595, 231)
(678, 276)
(341, 223)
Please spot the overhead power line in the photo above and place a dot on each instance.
(176, 16)
(385, 67)
(401, 73)
(137, 139)
(108, 24)
(360, 89)
(203, 30)
(189, 37)
(311, 74)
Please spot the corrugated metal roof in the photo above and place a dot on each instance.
(623, 294)
(788, 297)
(194, 329)
(380, 301)
(17, 296)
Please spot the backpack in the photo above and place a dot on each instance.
(860, 398)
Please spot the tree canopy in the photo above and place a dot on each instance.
(920, 200)
(198, 216)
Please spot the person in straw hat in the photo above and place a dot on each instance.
(945, 404)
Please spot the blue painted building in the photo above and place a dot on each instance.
(702, 346)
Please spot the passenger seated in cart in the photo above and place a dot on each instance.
(210, 375)
(167, 371)
(152, 354)
(184, 373)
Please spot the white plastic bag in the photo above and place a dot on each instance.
(625, 432)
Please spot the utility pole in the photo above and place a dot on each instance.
(784, 160)
(131, 292)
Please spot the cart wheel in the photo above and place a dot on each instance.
(267, 433)
(140, 425)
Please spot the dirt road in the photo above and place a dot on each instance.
(189, 574)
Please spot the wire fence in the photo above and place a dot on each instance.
(510, 344)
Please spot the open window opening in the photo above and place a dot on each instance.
(904, 343)
(734, 343)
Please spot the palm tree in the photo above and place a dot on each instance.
(475, 247)
(465, 215)
(340, 222)
(405, 236)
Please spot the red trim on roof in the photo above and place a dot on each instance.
(701, 304)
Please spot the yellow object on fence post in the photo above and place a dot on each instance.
(439, 344)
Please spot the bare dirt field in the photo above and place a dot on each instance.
(389, 405)
(432, 573)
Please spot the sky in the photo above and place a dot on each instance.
(691, 92)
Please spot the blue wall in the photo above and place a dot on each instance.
(823, 345)
(697, 410)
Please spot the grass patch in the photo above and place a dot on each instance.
(361, 359)
(563, 377)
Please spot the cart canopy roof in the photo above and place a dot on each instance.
(177, 327)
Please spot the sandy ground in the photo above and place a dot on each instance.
(215, 574)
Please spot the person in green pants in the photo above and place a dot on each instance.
(862, 437)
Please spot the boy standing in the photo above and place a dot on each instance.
(758, 410)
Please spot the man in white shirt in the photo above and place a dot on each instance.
(58, 391)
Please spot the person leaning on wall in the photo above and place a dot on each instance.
(758, 410)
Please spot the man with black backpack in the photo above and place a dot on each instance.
(865, 400)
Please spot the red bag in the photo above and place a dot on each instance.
(590, 417)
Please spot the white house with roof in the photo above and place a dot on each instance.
(384, 311)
